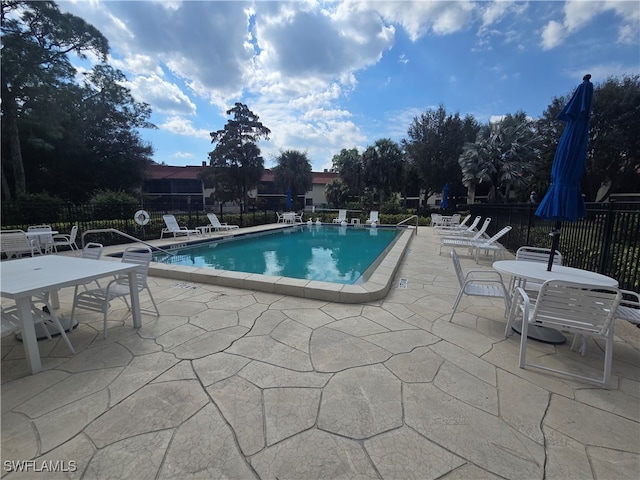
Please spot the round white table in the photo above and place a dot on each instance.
(537, 271)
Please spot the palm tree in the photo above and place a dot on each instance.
(503, 154)
(293, 172)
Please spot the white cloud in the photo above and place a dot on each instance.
(183, 155)
(166, 97)
(579, 13)
(553, 34)
(181, 126)
(418, 18)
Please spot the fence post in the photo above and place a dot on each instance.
(529, 222)
(608, 235)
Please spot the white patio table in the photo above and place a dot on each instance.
(23, 278)
(537, 271)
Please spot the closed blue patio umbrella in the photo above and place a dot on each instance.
(289, 201)
(445, 197)
(563, 201)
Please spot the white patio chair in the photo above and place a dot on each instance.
(342, 217)
(66, 240)
(629, 308)
(92, 251)
(527, 253)
(436, 220)
(99, 299)
(43, 314)
(478, 283)
(217, 226)
(173, 228)
(373, 217)
(15, 244)
(458, 241)
(584, 310)
(490, 245)
(43, 237)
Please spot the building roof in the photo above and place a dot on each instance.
(162, 172)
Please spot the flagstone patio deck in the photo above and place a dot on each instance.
(242, 384)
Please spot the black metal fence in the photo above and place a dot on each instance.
(606, 241)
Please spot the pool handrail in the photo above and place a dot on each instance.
(407, 219)
(126, 235)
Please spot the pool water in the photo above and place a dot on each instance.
(325, 253)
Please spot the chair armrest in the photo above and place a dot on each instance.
(62, 236)
(484, 275)
(633, 302)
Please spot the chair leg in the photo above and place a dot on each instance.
(153, 301)
(455, 304)
(608, 358)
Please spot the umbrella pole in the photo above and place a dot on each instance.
(554, 243)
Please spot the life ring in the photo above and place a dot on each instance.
(141, 217)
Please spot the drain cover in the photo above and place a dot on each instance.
(186, 286)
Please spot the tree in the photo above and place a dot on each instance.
(336, 193)
(236, 158)
(434, 146)
(614, 137)
(293, 172)
(474, 161)
(613, 156)
(502, 155)
(36, 39)
(348, 164)
(383, 164)
(103, 147)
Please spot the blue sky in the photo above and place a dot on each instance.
(330, 75)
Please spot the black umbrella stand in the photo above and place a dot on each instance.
(554, 243)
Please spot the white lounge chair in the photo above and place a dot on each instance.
(373, 217)
(462, 241)
(490, 245)
(173, 228)
(479, 283)
(99, 299)
(455, 229)
(584, 310)
(217, 226)
(66, 240)
(342, 217)
(459, 231)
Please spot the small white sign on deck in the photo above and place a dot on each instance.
(403, 283)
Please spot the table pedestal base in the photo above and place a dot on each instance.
(541, 334)
(66, 323)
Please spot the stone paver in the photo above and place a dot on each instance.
(242, 384)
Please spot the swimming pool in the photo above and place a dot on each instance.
(373, 285)
(336, 254)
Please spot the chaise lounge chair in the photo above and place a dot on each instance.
(172, 227)
(373, 217)
(217, 226)
(342, 217)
